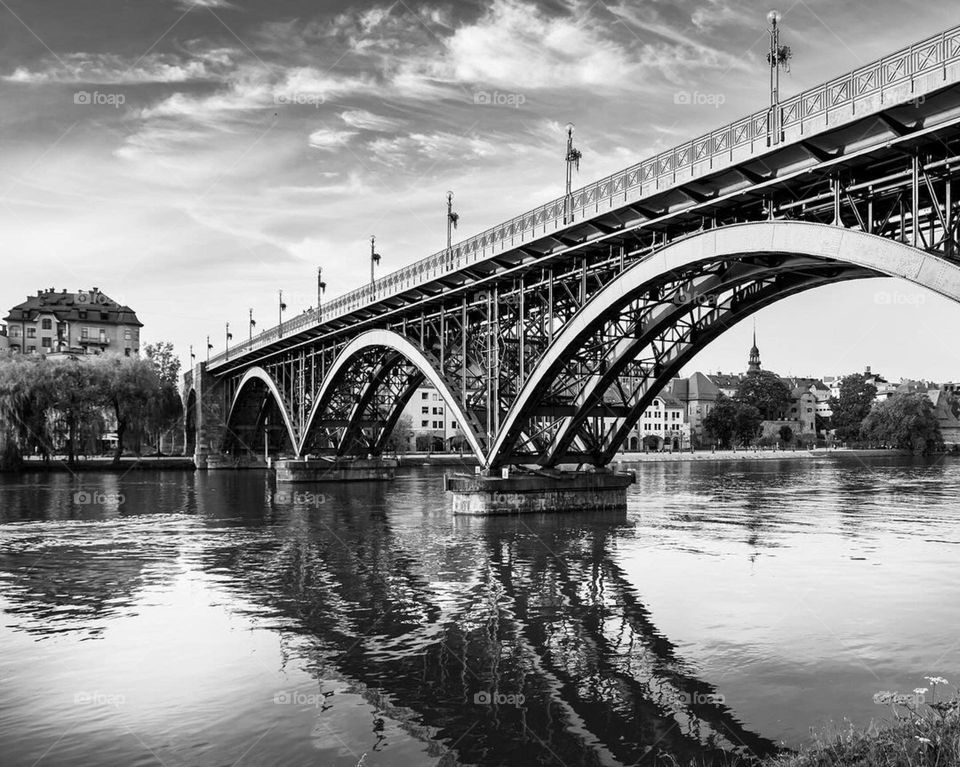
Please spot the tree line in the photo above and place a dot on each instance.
(65, 406)
(905, 421)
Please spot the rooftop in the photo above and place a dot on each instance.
(67, 307)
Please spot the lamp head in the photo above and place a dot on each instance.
(774, 18)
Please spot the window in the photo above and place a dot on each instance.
(84, 332)
(424, 424)
(31, 349)
(424, 410)
(31, 332)
(46, 324)
(126, 352)
(126, 335)
(14, 332)
(104, 316)
(424, 395)
(435, 411)
(437, 424)
(83, 315)
(46, 343)
(453, 424)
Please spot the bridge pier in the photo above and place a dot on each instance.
(339, 469)
(538, 492)
(205, 419)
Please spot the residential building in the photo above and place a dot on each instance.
(84, 322)
(4, 339)
(663, 426)
(435, 429)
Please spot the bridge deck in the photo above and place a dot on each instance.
(898, 93)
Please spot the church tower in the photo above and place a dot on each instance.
(753, 366)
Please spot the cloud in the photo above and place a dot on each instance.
(329, 138)
(364, 120)
(401, 150)
(107, 68)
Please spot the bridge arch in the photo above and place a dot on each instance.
(806, 255)
(253, 379)
(404, 350)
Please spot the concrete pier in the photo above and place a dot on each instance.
(536, 492)
(335, 469)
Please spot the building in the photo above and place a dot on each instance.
(85, 322)
(4, 340)
(434, 429)
(663, 426)
(947, 409)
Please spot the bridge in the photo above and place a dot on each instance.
(548, 335)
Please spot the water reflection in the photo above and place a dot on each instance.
(365, 622)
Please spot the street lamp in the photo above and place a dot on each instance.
(281, 308)
(374, 256)
(573, 160)
(321, 289)
(253, 324)
(226, 344)
(778, 57)
(452, 220)
(209, 347)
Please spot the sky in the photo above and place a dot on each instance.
(191, 158)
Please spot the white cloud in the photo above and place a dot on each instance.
(364, 120)
(330, 138)
(401, 150)
(106, 68)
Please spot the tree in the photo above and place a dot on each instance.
(852, 406)
(721, 422)
(401, 436)
(766, 392)
(26, 394)
(786, 434)
(749, 420)
(79, 389)
(905, 421)
(164, 361)
(129, 384)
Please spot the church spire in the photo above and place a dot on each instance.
(754, 364)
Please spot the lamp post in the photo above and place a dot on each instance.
(226, 345)
(266, 440)
(193, 356)
(281, 307)
(452, 220)
(209, 347)
(374, 256)
(572, 160)
(777, 57)
(253, 324)
(321, 289)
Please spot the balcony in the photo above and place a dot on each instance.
(95, 341)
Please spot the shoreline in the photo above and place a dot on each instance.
(759, 455)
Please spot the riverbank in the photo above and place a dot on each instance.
(127, 463)
(756, 455)
(929, 737)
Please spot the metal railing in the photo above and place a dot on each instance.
(891, 71)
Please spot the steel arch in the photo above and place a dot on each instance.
(259, 374)
(387, 339)
(876, 255)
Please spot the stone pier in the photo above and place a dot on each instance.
(342, 469)
(538, 491)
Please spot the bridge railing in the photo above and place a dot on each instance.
(814, 104)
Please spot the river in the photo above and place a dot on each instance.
(183, 618)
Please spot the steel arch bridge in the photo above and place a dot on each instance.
(548, 336)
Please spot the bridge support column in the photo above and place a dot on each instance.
(340, 469)
(539, 492)
(210, 420)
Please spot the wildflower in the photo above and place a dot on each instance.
(935, 680)
(923, 740)
(919, 690)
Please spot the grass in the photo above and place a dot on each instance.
(919, 734)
